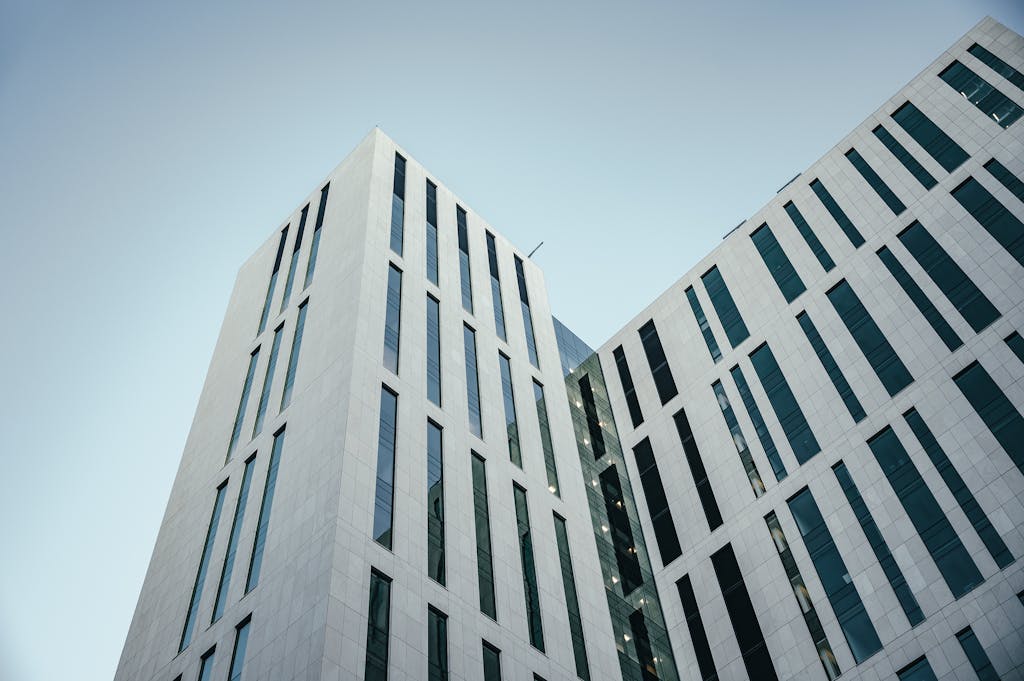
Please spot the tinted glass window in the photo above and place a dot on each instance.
(378, 627)
(317, 231)
(919, 299)
(993, 216)
(700, 476)
(904, 157)
(932, 139)
(398, 206)
(393, 318)
(809, 236)
(756, 657)
(658, 362)
(778, 263)
(837, 213)
(385, 490)
(657, 502)
(760, 428)
(484, 562)
(702, 322)
(293, 356)
(981, 94)
(435, 503)
(1006, 178)
(876, 182)
(998, 413)
(725, 307)
(998, 65)
(434, 350)
(533, 618)
(635, 415)
(204, 564)
(259, 543)
(784, 403)
(828, 362)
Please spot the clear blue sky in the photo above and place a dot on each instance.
(148, 148)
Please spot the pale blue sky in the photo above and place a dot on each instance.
(148, 148)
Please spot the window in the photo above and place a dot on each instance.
(398, 206)
(236, 530)
(880, 355)
(1016, 343)
(432, 257)
(784, 403)
(243, 401)
(700, 475)
(977, 656)
(756, 483)
(658, 362)
(701, 648)
(944, 546)
(206, 665)
(803, 598)
(273, 280)
(204, 563)
(499, 309)
(434, 350)
(511, 422)
(259, 543)
(524, 304)
(760, 428)
(920, 300)
(932, 139)
(492, 662)
(998, 65)
(904, 157)
(472, 381)
(809, 236)
(981, 94)
(464, 270)
(572, 604)
(293, 357)
(628, 390)
(238, 652)
(756, 657)
(777, 262)
(378, 627)
(657, 502)
(529, 569)
(835, 374)
(1003, 225)
(315, 247)
(881, 550)
(998, 413)
(919, 670)
(384, 496)
(268, 381)
(641, 640)
(1006, 178)
(876, 182)
(969, 301)
(835, 578)
(290, 280)
(435, 503)
(594, 423)
(702, 322)
(393, 318)
(484, 562)
(721, 300)
(629, 577)
(837, 213)
(437, 645)
(545, 438)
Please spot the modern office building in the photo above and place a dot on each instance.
(805, 459)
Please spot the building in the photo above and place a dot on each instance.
(804, 459)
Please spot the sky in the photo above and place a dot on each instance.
(149, 148)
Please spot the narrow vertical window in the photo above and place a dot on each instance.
(835, 578)
(1006, 178)
(657, 502)
(393, 318)
(206, 665)
(803, 598)
(384, 496)
(315, 247)
(764, 436)
(464, 270)
(378, 627)
(905, 157)
(918, 670)
(629, 391)
(511, 422)
(777, 262)
(482, 520)
(499, 309)
(784, 404)
(432, 252)
(220, 602)
(701, 648)
(545, 438)
(977, 656)
(828, 362)
(998, 413)
(954, 562)
(289, 282)
(204, 564)
(824, 259)
(594, 423)
(434, 350)
(998, 65)
(472, 381)
(658, 362)
(398, 206)
(1003, 225)
(524, 304)
(641, 639)
(529, 569)
(1016, 343)
(876, 182)
(932, 139)
(238, 651)
(919, 299)
(881, 550)
(749, 467)
(492, 662)
(725, 307)
(243, 401)
(966, 297)
(756, 658)
(883, 359)
(620, 530)
(259, 543)
(837, 213)
(700, 475)
(981, 94)
(437, 645)
(273, 280)
(268, 381)
(293, 357)
(572, 602)
(435, 503)
(702, 323)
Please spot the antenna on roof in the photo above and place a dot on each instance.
(535, 249)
